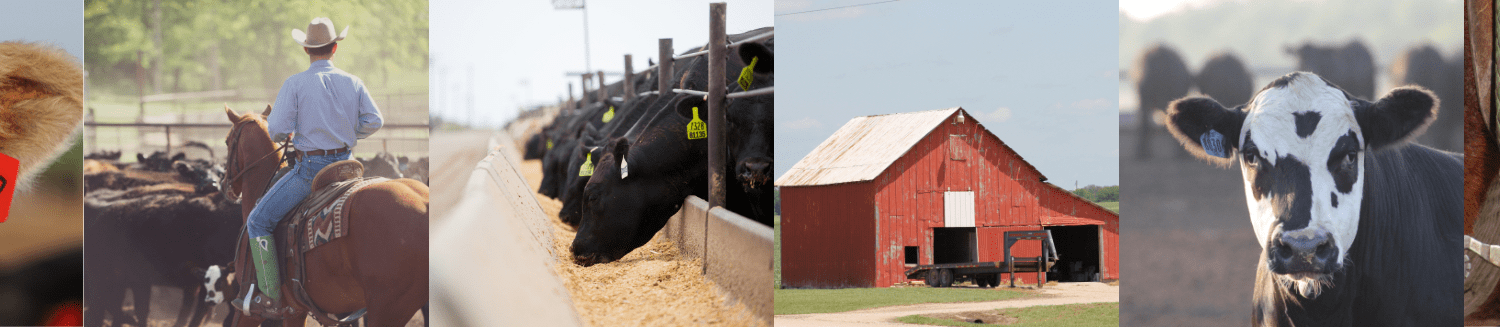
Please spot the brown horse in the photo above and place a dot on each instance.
(381, 265)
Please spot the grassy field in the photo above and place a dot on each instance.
(799, 301)
(1069, 315)
(1112, 206)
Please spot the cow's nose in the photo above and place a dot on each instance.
(1304, 250)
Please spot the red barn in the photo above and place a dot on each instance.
(888, 192)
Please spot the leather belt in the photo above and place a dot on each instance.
(324, 152)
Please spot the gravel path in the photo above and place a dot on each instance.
(1066, 293)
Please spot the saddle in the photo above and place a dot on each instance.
(318, 219)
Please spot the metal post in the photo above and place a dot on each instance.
(629, 80)
(569, 104)
(664, 67)
(583, 95)
(587, 66)
(716, 131)
(169, 140)
(603, 90)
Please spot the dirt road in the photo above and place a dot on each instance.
(1066, 293)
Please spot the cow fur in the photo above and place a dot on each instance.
(41, 105)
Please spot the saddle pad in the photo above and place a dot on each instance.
(321, 216)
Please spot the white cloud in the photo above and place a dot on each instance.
(803, 123)
(1000, 115)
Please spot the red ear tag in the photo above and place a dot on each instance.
(8, 169)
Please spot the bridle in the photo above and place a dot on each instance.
(233, 173)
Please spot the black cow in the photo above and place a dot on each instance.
(1160, 77)
(1358, 227)
(382, 165)
(160, 237)
(1350, 67)
(637, 186)
(1225, 79)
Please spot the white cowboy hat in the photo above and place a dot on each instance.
(319, 33)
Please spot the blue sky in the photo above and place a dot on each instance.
(519, 51)
(1041, 75)
(57, 22)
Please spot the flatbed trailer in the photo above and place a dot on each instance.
(987, 274)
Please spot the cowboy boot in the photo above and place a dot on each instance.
(267, 301)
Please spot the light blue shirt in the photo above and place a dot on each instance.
(326, 107)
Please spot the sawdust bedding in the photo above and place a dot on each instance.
(655, 285)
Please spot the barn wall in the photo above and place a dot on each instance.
(828, 236)
(1008, 195)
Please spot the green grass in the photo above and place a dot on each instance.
(1068, 315)
(776, 266)
(1112, 205)
(799, 301)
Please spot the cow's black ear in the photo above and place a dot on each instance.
(760, 54)
(1396, 118)
(619, 146)
(140, 158)
(1206, 128)
(179, 156)
(686, 104)
(182, 167)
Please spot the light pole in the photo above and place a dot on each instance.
(578, 4)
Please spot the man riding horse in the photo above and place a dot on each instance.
(324, 110)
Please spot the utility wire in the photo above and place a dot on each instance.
(849, 6)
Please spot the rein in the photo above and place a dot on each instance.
(235, 174)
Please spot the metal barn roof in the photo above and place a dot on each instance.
(865, 147)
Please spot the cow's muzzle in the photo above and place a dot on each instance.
(754, 172)
(1302, 252)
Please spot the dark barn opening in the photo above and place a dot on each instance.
(954, 245)
(913, 256)
(1078, 253)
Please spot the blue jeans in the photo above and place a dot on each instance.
(287, 193)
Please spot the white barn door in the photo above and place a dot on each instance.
(958, 209)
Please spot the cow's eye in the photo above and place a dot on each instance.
(1349, 160)
(1252, 159)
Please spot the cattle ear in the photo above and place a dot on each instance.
(140, 158)
(233, 116)
(1205, 127)
(182, 167)
(619, 146)
(686, 104)
(1398, 117)
(760, 54)
(267, 113)
(179, 156)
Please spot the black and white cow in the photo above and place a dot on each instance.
(1358, 226)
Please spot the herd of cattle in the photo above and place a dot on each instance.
(161, 221)
(623, 168)
(1161, 76)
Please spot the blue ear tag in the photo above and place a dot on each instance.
(1213, 144)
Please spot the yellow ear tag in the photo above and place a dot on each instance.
(696, 129)
(747, 75)
(549, 144)
(610, 115)
(587, 169)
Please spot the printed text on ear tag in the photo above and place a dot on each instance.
(609, 115)
(747, 75)
(1213, 144)
(696, 129)
(587, 169)
(8, 169)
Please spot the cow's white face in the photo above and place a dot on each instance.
(210, 283)
(1301, 154)
(1302, 145)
